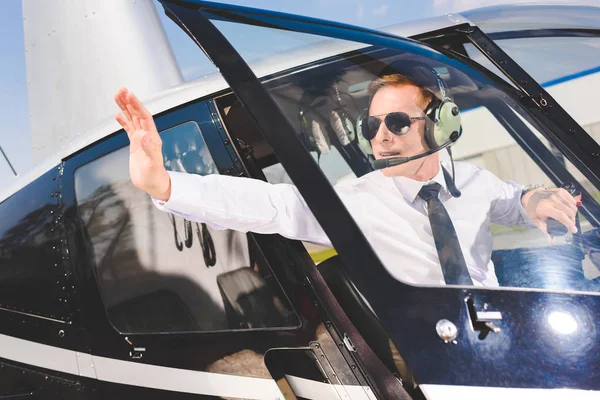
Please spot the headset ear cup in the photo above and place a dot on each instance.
(430, 128)
(340, 130)
(363, 144)
(448, 126)
(321, 141)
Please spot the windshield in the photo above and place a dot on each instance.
(499, 151)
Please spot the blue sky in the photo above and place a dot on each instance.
(14, 130)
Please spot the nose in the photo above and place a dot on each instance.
(383, 134)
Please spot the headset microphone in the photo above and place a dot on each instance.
(393, 161)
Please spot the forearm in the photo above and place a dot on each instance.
(508, 208)
(242, 204)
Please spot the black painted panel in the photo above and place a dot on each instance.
(33, 277)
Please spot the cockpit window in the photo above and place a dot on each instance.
(361, 109)
(158, 272)
(567, 66)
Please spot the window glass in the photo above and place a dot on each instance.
(161, 273)
(568, 67)
(33, 273)
(501, 150)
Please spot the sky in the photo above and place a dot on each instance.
(14, 109)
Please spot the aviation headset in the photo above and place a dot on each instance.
(442, 125)
(311, 130)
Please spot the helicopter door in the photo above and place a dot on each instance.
(168, 304)
(470, 341)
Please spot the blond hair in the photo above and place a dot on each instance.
(399, 80)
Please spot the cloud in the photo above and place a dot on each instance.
(381, 10)
(360, 12)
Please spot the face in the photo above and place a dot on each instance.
(385, 144)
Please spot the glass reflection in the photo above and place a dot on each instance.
(161, 273)
(562, 322)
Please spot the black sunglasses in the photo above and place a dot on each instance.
(397, 122)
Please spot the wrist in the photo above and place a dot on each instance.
(528, 191)
(164, 194)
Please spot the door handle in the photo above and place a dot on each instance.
(484, 321)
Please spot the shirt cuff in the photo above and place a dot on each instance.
(170, 204)
(526, 220)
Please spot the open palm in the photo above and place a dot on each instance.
(146, 168)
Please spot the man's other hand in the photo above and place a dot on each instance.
(542, 204)
(146, 168)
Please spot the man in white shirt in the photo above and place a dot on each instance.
(385, 203)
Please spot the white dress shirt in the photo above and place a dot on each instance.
(387, 210)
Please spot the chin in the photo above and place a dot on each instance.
(421, 169)
(398, 170)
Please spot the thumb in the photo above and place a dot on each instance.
(543, 226)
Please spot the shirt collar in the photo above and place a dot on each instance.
(409, 188)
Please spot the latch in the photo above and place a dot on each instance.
(484, 321)
(137, 352)
(349, 345)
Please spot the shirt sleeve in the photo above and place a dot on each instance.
(506, 207)
(243, 204)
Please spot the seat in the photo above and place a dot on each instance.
(365, 321)
(159, 311)
(250, 301)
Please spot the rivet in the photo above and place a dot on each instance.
(61, 333)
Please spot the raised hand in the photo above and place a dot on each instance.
(146, 168)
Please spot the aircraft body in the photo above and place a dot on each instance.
(104, 296)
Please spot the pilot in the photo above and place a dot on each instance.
(425, 227)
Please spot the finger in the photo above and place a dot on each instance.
(125, 124)
(136, 123)
(543, 226)
(567, 199)
(565, 208)
(563, 218)
(145, 118)
(121, 100)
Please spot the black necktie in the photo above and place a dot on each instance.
(451, 257)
